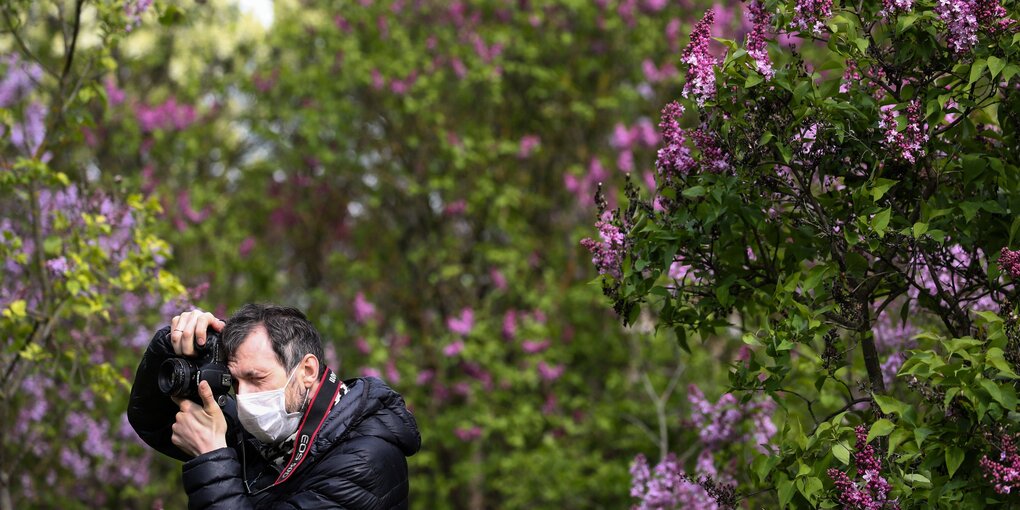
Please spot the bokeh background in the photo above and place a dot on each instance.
(415, 174)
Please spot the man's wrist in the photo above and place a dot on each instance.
(213, 446)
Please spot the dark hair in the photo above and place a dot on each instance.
(290, 333)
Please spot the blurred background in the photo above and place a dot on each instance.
(416, 175)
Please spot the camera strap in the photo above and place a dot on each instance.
(330, 389)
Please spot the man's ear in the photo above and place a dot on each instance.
(310, 370)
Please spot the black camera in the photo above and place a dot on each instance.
(179, 377)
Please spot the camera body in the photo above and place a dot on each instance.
(179, 376)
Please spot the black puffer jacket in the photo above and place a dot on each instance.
(357, 461)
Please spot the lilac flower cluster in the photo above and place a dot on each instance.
(909, 143)
(874, 492)
(757, 40)
(624, 140)
(667, 487)
(893, 338)
(961, 23)
(167, 115)
(674, 158)
(724, 421)
(19, 79)
(1004, 474)
(700, 62)
(607, 254)
(891, 8)
(810, 15)
(134, 10)
(1009, 261)
(951, 272)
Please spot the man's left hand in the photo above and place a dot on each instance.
(199, 428)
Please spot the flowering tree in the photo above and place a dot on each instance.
(838, 190)
(81, 263)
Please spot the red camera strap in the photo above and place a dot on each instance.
(330, 389)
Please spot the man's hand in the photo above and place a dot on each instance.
(199, 428)
(189, 328)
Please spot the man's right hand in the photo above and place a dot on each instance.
(189, 328)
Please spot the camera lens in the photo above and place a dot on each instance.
(175, 375)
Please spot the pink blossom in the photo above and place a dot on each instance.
(463, 324)
(528, 145)
(674, 157)
(468, 434)
(453, 349)
(700, 62)
(425, 376)
(872, 494)
(114, 95)
(607, 254)
(1009, 261)
(810, 15)
(364, 310)
(246, 246)
(510, 324)
(757, 40)
(363, 346)
(550, 373)
(498, 279)
(370, 372)
(909, 143)
(1005, 473)
(534, 346)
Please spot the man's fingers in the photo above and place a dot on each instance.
(208, 401)
(188, 336)
(218, 324)
(182, 403)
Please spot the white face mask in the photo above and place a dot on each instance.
(265, 415)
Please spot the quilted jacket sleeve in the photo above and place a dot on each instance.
(150, 412)
(213, 481)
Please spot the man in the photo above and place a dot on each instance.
(295, 437)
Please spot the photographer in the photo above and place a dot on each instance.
(296, 436)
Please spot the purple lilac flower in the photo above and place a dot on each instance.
(724, 421)
(453, 349)
(528, 145)
(607, 253)
(463, 324)
(674, 158)
(18, 80)
(961, 23)
(534, 346)
(364, 310)
(948, 271)
(550, 373)
(468, 434)
(165, 116)
(757, 40)
(700, 62)
(30, 132)
(134, 10)
(1009, 261)
(873, 493)
(1004, 474)
(893, 7)
(510, 324)
(666, 487)
(909, 143)
(57, 266)
(810, 15)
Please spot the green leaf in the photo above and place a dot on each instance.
(919, 229)
(753, 79)
(881, 221)
(681, 338)
(882, 427)
(954, 457)
(694, 192)
(917, 479)
(995, 65)
(976, 70)
(881, 187)
(890, 405)
(996, 358)
(16, 309)
(786, 492)
(841, 451)
(1005, 397)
